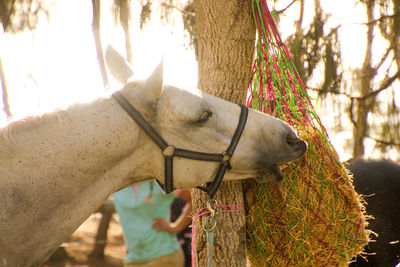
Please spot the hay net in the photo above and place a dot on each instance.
(313, 217)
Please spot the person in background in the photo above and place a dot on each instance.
(150, 237)
(178, 206)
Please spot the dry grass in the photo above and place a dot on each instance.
(313, 217)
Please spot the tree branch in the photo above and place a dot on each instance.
(283, 10)
(3, 83)
(380, 19)
(384, 85)
(178, 8)
(97, 41)
(383, 142)
(383, 59)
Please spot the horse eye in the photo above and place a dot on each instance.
(204, 117)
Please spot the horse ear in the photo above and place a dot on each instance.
(117, 64)
(154, 84)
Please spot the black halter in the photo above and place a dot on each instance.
(170, 151)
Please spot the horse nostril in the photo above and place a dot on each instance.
(292, 140)
(295, 142)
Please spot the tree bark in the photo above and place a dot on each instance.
(97, 40)
(226, 35)
(6, 103)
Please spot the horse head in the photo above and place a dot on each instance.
(197, 121)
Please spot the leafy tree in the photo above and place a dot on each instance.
(16, 16)
(369, 100)
(378, 78)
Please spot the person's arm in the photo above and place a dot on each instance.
(159, 224)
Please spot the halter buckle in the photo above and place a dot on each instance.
(226, 156)
(169, 151)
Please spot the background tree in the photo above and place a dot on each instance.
(225, 33)
(377, 77)
(367, 98)
(6, 103)
(16, 16)
(316, 49)
(97, 40)
(122, 15)
(363, 98)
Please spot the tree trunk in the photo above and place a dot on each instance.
(124, 17)
(367, 74)
(107, 210)
(226, 35)
(6, 103)
(395, 43)
(297, 43)
(97, 40)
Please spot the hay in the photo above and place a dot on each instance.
(313, 217)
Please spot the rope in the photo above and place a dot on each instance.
(211, 225)
(314, 217)
(210, 238)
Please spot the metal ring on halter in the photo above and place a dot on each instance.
(169, 151)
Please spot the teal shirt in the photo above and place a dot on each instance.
(136, 217)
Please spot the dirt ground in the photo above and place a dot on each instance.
(76, 250)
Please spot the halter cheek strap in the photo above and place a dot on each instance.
(170, 151)
(212, 187)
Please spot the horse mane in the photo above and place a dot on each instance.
(9, 134)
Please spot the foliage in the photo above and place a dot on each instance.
(17, 15)
(316, 49)
(357, 96)
(145, 14)
(189, 24)
(388, 23)
(311, 46)
(364, 97)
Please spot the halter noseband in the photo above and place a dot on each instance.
(169, 151)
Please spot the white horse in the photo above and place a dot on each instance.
(55, 170)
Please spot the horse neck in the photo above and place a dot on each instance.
(60, 171)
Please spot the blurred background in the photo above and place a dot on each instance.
(346, 51)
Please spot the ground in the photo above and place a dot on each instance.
(76, 250)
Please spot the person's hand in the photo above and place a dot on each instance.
(159, 224)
